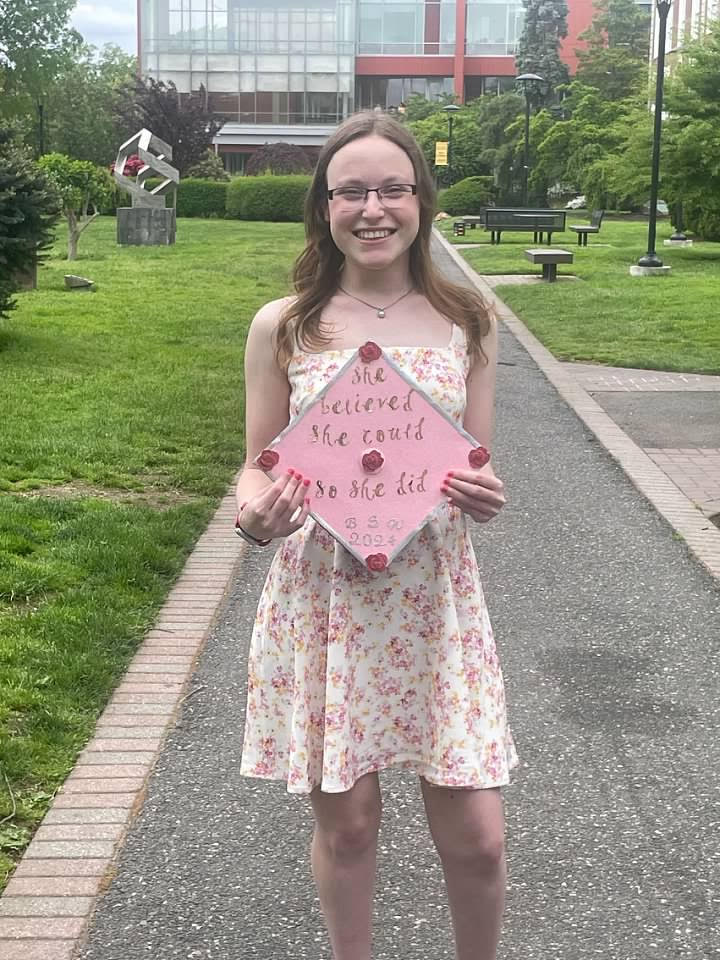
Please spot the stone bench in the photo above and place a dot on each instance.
(549, 257)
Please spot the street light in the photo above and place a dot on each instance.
(450, 109)
(651, 259)
(526, 79)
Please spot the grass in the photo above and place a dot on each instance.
(609, 317)
(122, 427)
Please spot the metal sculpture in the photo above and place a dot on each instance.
(149, 221)
(154, 164)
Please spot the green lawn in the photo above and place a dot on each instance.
(126, 404)
(607, 316)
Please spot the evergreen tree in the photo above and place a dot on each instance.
(29, 210)
(690, 169)
(616, 56)
(539, 47)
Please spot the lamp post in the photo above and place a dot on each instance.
(450, 109)
(651, 259)
(526, 79)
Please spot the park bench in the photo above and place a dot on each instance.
(549, 257)
(582, 229)
(521, 219)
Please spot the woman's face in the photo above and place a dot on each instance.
(371, 234)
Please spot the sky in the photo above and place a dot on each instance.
(107, 21)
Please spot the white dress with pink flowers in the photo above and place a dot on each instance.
(352, 671)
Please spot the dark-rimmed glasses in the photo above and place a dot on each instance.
(392, 195)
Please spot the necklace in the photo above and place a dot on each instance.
(380, 310)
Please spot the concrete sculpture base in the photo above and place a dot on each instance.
(145, 226)
(649, 271)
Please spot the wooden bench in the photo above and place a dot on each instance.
(522, 219)
(549, 258)
(582, 230)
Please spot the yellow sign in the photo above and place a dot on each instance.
(441, 151)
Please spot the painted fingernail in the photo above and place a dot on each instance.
(450, 473)
(291, 472)
(443, 489)
(306, 482)
(298, 477)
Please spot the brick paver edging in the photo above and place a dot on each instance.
(698, 532)
(46, 907)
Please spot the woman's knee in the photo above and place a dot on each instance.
(347, 824)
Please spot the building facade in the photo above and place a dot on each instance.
(291, 70)
(687, 20)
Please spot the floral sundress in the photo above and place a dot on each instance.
(352, 671)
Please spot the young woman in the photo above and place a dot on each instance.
(351, 671)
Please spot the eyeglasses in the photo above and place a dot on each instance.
(392, 195)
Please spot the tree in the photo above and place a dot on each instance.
(539, 46)
(616, 56)
(279, 158)
(210, 168)
(80, 106)
(29, 209)
(35, 43)
(690, 169)
(182, 120)
(418, 108)
(82, 186)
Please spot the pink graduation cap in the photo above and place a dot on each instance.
(377, 450)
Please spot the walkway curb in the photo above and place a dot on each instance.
(700, 535)
(47, 907)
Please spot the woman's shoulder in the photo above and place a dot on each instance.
(269, 315)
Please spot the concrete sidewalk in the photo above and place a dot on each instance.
(608, 628)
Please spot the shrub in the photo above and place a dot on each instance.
(278, 158)
(81, 185)
(267, 198)
(201, 198)
(469, 196)
(195, 198)
(703, 218)
(29, 209)
(209, 168)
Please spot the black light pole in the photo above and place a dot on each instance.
(526, 79)
(651, 259)
(451, 109)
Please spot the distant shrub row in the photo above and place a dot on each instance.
(467, 197)
(243, 198)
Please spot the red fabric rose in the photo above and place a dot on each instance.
(268, 459)
(376, 562)
(372, 461)
(369, 351)
(478, 457)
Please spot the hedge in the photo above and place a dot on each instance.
(703, 218)
(467, 197)
(268, 197)
(195, 197)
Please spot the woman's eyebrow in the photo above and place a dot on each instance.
(350, 181)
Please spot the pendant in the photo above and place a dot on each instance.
(381, 314)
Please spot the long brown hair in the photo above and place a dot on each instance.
(317, 269)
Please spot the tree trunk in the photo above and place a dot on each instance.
(73, 234)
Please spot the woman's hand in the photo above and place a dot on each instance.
(479, 493)
(272, 513)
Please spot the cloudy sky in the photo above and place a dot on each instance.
(107, 21)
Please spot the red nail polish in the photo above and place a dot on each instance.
(450, 473)
(443, 489)
(291, 472)
(306, 482)
(298, 477)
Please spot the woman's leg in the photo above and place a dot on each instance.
(344, 847)
(467, 827)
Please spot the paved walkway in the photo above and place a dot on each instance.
(608, 630)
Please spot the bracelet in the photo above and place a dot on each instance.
(248, 537)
